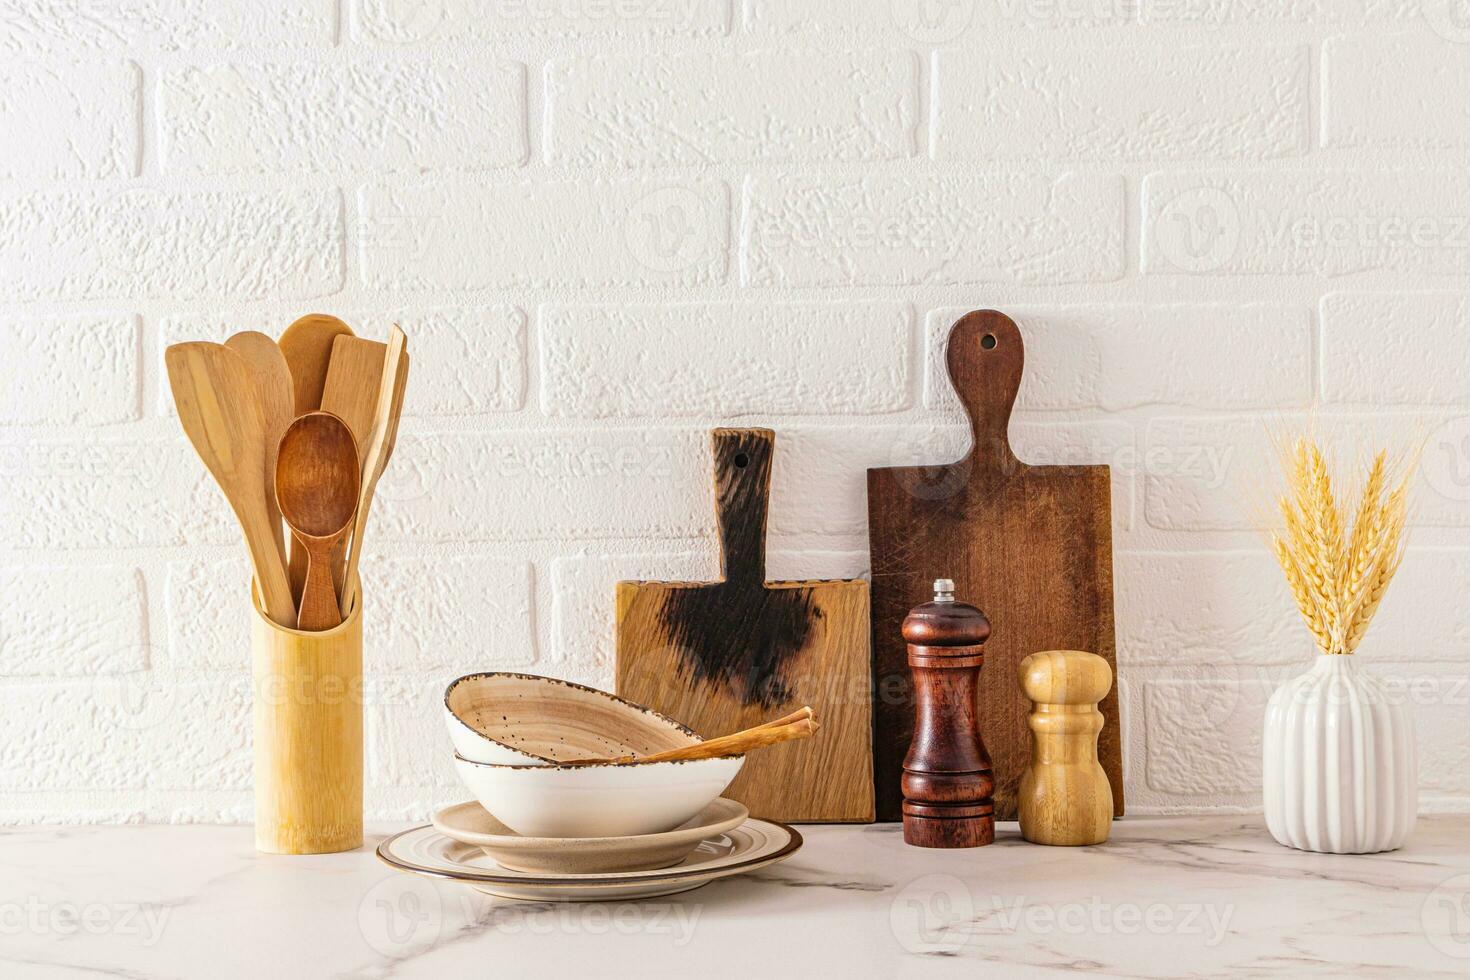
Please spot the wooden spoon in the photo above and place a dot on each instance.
(274, 389)
(798, 724)
(307, 347)
(214, 391)
(381, 440)
(317, 477)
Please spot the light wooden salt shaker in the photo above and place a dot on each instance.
(1065, 797)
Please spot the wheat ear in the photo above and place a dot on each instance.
(1301, 591)
(1392, 517)
(1367, 534)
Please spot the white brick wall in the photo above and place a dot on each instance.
(649, 110)
(290, 117)
(609, 226)
(1144, 103)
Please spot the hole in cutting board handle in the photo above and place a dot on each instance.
(987, 342)
(742, 460)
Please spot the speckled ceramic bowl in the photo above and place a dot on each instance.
(507, 719)
(511, 730)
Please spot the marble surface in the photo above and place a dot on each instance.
(1166, 897)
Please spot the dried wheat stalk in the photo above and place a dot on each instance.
(1337, 575)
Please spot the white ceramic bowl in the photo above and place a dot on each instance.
(610, 800)
(510, 719)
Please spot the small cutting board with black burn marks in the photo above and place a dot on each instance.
(724, 656)
(1032, 546)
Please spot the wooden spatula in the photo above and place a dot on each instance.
(378, 448)
(351, 393)
(273, 388)
(214, 391)
(307, 347)
(353, 377)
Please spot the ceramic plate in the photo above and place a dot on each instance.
(469, 823)
(754, 844)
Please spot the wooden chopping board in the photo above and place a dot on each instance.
(1031, 546)
(723, 656)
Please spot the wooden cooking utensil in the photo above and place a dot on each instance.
(353, 379)
(274, 388)
(215, 393)
(317, 477)
(307, 347)
(1030, 545)
(379, 446)
(798, 724)
(722, 655)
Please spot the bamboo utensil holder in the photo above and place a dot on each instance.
(308, 734)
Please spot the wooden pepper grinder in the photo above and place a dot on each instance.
(1065, 797)
(946, 782)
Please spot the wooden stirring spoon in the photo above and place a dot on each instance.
(214, 391)
(798, 724)
(307, 347)
(317, 477)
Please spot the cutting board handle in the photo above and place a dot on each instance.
(985, 356)
(742, 497)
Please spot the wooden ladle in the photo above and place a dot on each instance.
(317, 476)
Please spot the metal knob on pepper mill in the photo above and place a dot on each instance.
(947, 783)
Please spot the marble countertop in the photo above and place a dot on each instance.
(1166, 897)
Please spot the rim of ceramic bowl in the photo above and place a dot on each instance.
(552, 680)
(608, 764)
(384, 854)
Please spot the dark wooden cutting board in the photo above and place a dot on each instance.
(723, 656)
(1030, 545)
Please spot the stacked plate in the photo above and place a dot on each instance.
(466, 844)
(554, 822)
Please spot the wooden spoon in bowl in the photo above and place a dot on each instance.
(317, 477)
(798, 724)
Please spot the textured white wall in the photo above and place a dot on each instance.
(610, 224)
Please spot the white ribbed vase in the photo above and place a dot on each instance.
(1341, 766)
